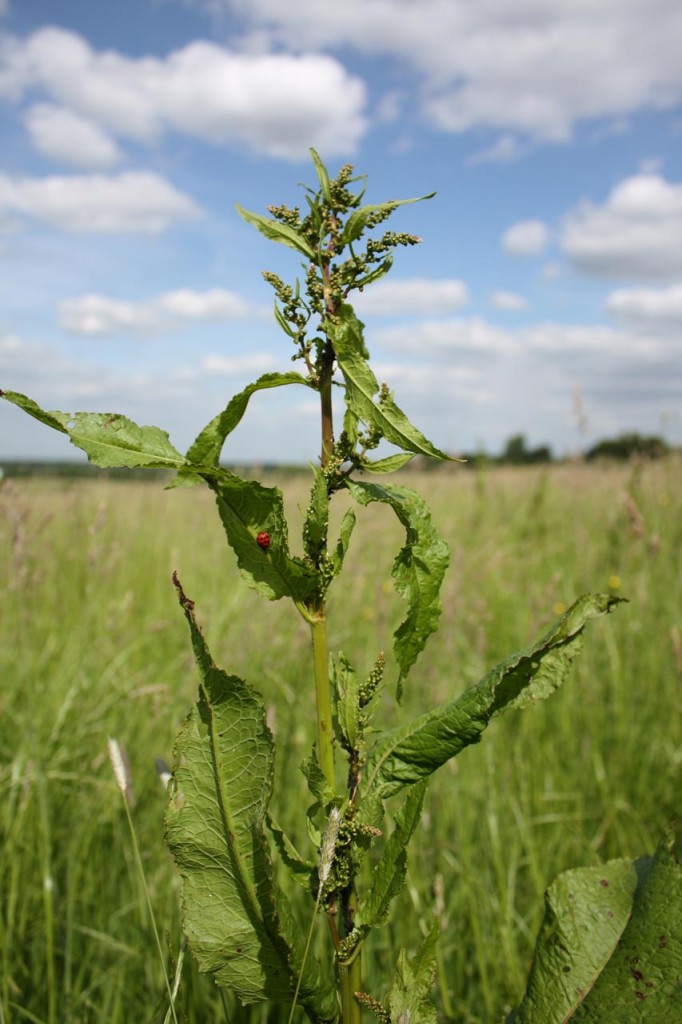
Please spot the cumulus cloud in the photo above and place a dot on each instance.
(634, 234)
(275, 103)
(137, 202)
(648, 309)
(447, 338)
(526, 238)
(412, 297)
(235, 366)
(508, 301)
(68, 138)
(99, 316)
(520, 67)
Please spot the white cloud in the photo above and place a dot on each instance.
(509, 301)
(505, 149)
(412, 297)
(100, 316)
(648, 309)
(526, 238)
(225, 366)
(278, 104)
(68, 138)
(635, 233)
(132, 202)
(447, 338)
(521, 67)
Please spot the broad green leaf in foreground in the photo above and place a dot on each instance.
(238, 923)
(208, 445)
(418, 569)
(420, 747)
(246, 509)
(610, 947)
(361, 387)
(108, 439)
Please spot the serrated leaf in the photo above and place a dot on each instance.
(357, 221)
(408, 1000)
(239, 925)
(388, 876)
(108, 439)
(347, 702)
(206, 449)
(418, 568)
(361, 387)
(278, 232)
(610, 946)
(417, 749)
(338, 553)
(317, 516)
(317, 781)
(247, 508)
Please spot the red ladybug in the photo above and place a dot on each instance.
(263, 540)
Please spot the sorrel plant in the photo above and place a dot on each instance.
(238, 867)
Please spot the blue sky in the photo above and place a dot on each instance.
(546, 297)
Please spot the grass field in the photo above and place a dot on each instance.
(93, 644)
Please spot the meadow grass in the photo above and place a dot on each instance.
(93, 644)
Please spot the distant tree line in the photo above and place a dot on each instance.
(516, 452)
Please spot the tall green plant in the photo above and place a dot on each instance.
(230, 851)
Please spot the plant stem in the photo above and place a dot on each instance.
(326, 404)
(325, 730)
(351, 982)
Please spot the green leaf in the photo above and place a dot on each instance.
(317, 516)
(239, 925)
(108, 439)
(347, 702)
(420, 747)
(317, 781)
(338, 554)
(361, 387)
(388, 877)
(418, 569)
(408, 1000)
(206, 449)
(610, 946)
(278, 232)
(374, 275)
(390, 464)
(246, 509)
(357, 221)
(323, 177)
(302, 871)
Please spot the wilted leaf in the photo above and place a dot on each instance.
(206, 449)
(418, 569)
(420, 747)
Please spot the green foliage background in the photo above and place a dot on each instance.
(91, 645)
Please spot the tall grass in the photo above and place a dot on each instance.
(92, 644)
